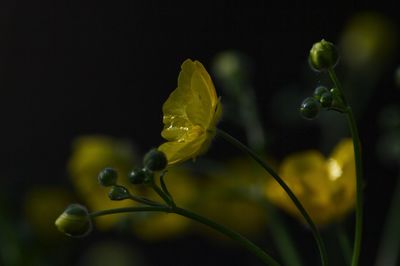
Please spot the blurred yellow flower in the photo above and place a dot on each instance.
(326, 187)
(232, 196)
(42, 207)
(190, 114)
(155, 226)
(90, 155)
(369, 40)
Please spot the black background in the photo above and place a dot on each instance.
(85, 67)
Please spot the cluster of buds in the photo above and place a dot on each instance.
(76, 221)
(323, 57)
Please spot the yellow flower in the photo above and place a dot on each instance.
(326, 187)
(190, 114)
(42, 207)
(156, 226)
(232, 196)
(369, 41)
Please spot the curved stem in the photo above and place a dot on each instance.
(144, 200)
(230, 233)
(313, 228)
(129, 209)
(268, 260)
(359, 181)
(359, 188)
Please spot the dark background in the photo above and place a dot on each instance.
(73, 68)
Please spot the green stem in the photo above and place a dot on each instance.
(359, 181)
(268, 260)
(144, 200)
(313, 228)
(162, 194)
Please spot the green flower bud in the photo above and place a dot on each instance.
(138, 176)
(319, 91)
(309, 108)
(118, 193)
(155, 160)
(74, 221)
(323, 55)
(108, 177)
(326, 100)
(335, 92)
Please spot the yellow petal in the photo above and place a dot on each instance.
(190, 114)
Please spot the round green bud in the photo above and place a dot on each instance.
(323, 55)
(319, 91)
(335, 92)
(74, 221)
(326, 99)
(108, 177)
(138, 176)
(118, 193)
(155, 160)
(309, 108)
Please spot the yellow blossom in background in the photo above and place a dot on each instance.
(90, 155)
(232, 197)
(154, 226)
(190, 114)
(42, 206)
(369, 40)
(325, 187)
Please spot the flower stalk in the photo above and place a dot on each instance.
(313, 228)
(262, 255)
(358, 161)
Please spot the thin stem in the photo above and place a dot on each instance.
(268, 260)
(130, 209)
(313, 228)
(230, 233)
(359, 181)
(144, 200)
(337, 84)
(162, 194)
(359, 188)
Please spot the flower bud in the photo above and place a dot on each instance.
(319, 91)
(326, 99)
(309, 108)
(118, 193)
(323, 55)
(108, 177)
(74, 221)
(138, 176)
(155, 160)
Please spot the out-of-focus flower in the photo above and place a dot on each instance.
(326, 187)
(154, 226)
(369, 40)
(232, 197)
(42, 206)
(190, 114)
(90, 155)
